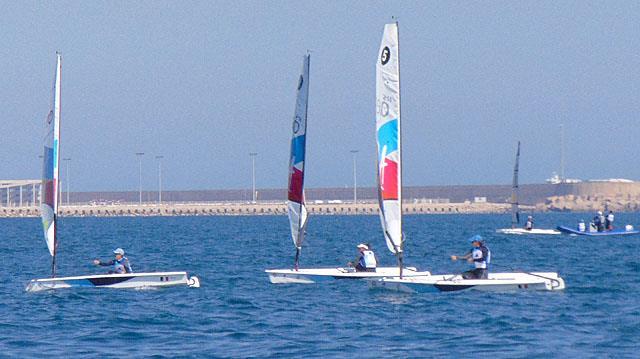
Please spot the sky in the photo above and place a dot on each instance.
(203, 84)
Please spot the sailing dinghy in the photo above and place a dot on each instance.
(49, 213)
(296, 207)
(390, 208)
(497, 282)
(515, 212)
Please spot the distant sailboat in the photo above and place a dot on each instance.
(515, 210)
(49, 213)
(389, 180)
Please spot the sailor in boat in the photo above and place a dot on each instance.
(120, 263)
(366, 261)
(529, 225)
(608, 221)
(480, 256)
(598, 221)
(581, 226)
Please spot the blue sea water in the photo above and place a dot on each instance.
(238, 313)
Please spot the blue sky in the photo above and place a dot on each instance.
(205, 83)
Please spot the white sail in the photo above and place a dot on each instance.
(389, 137)
(50, 168)
(296, 208)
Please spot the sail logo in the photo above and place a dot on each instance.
(300, 82)
(385, 56)
(296, 124)
(49, 117)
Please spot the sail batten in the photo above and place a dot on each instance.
(50, 170)
(515, 213)
(295, 196)
(388, 136)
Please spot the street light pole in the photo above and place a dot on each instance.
(253, 175)
(159, 158)
(67, 179)
(355, 177)
(39, 189)
(140, 154)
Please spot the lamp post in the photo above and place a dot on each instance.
(67, 177)
(39, 188)
(159, 158)
(253, 175)
(355, 177)
(140, 154)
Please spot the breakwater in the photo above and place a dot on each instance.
(240, 209)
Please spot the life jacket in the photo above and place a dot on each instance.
(582, 227)
(481, 256)
(529, 224)
(368, 259)
(122, 266)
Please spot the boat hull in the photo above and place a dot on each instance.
(497, 282)
(615, 232)
(314, 275)
(130, 280)
(522, 231)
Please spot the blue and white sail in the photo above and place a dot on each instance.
(295, 195)
(50, 168)
(388, 136)
(515, 213)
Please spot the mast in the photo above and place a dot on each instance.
(562, 153)
(56, 166)
(399, 252)
(515, 215)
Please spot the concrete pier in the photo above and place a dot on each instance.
(236, 209)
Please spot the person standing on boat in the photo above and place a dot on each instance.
(529, 225)
(120, 264)
(480, 256)
(366, 261)
(609, 221)
(598, 220)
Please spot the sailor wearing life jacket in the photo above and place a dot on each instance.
(120, 263)
(480, 256)
(366, 261)
(529, 225)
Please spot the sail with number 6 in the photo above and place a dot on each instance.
(388, 137)
(296, 208)
(50, 168)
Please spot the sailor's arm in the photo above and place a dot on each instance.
(102, 264)
(466, 256)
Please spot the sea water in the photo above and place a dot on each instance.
(238, 313)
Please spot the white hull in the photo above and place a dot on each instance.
(131, 280)
(497, 282)
(521, 231)
(313, 275)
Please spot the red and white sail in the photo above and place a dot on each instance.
(50, 166)
(295, 196)
(388, 138)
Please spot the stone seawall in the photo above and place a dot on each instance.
(235, 209)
